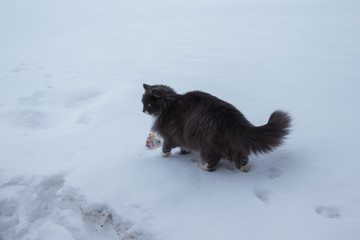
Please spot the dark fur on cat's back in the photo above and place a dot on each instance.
(199, 121)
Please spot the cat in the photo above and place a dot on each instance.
(199, 121)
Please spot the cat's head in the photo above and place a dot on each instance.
(157, 99)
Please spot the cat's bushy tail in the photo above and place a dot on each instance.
(269, 136)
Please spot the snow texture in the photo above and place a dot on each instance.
(73, 161)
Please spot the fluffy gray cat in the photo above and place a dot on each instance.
(201, 122)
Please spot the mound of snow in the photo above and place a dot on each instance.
(43, 208)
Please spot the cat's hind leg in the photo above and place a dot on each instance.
(209, 161)
(242, 163)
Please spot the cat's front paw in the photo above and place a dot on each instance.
(165, 154)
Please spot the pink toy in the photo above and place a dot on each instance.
(152, 141)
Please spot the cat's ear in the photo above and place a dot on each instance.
(156, 94)
(146, 87)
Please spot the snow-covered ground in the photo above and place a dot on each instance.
(73, 163)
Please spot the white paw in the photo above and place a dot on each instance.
(165, 154)
(203, 166)
(245, 168)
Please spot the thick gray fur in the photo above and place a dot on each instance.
(201, 122)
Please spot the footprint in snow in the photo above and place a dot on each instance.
(84, 100)
(34, 99)
(328, 211)
(31, 119)
(19, 69)
(264, 195)
(85, 118)
(274, 173)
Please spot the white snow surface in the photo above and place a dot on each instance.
(73, 163)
